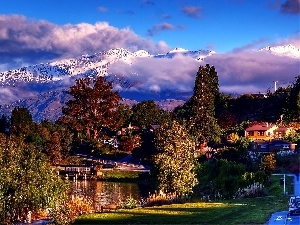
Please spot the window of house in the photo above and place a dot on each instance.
(260, 133)
(250, 133)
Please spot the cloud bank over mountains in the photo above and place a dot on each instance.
(253, 71)
(24, 42)
(239, 72)
(158, 74)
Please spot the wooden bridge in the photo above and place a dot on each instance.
(80, 172)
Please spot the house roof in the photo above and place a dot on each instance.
(260, 127)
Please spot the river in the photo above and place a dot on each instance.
(103, 192)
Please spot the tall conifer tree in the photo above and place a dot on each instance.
(292, 111)
(202, 122)
(20, 121)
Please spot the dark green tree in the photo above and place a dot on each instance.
(60, 132)
(53, 139)
(92, 109)
(124, 113)
(148, 113)
(202, 122)
(147, 148)
(4, 124)
(53, 149)
(20, 121)
(292, 111)
(220, 177)
(226, 118)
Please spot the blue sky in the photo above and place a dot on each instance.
(220, 25)
(37, 31)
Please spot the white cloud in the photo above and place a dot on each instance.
(240, 72)
(40, 40)
(253, 71)
(10, 94)
(158, 74)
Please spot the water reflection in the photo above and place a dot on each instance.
(103, 192)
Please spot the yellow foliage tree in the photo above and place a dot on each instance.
(268, 163)
(175, 160)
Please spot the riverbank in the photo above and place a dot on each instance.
(237, 211)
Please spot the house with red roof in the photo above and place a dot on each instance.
(261, 131)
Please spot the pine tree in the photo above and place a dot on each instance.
(20, 121)
(292, 111)
(175, 161)
(4, 124)
(202, 122)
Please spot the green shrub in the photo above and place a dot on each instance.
(27, 182)
(129, 203)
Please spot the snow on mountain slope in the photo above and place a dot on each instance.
(41, 87)
(85, 65)
(198, 55)
(142, 53)
(286, 50)
(178, 50)
(99, 62)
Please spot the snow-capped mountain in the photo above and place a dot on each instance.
(178, 50)
(284, 50)
(44, 85)
(198, 55)
(41, 88)
(86, 65)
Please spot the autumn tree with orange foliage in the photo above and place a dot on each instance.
(92, 109)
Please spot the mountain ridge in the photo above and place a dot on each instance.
(283, 50)
(45, 84)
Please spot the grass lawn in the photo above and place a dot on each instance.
(239, 211)
(236, 211)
